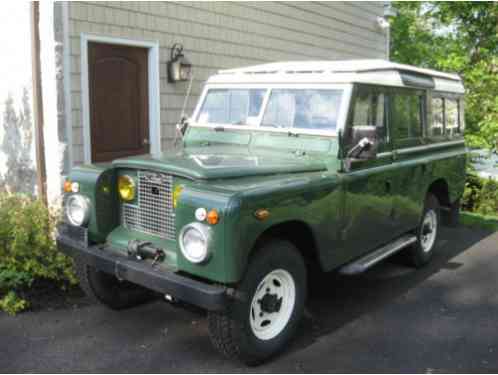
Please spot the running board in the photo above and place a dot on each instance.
(362, 264)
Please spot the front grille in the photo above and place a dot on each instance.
(153, 211)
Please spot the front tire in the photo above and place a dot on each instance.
(422, 251)
(267, 315)
(106, 289)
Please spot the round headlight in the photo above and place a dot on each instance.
(126, 188)
(77, 210)
(194, 241)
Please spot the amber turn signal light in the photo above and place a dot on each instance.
(262, 214)
(67, 186)
(213, 217)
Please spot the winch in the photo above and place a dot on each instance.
(141, 250)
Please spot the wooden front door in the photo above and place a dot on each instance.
(119, 103)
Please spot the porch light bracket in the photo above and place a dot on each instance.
(179, 67)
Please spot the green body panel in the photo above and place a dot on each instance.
(120, 236)
(103, 205)
(222, 162)
(298, 179)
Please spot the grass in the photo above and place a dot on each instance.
(471, 219)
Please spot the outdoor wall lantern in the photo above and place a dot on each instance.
(179, 67)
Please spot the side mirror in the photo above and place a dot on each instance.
(364, 139)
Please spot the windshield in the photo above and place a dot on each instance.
(303, 109)
(232, 106)
(307, 109)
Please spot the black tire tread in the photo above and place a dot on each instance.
(221, 334)
(225, 329)
(123, 296)
(81, 271)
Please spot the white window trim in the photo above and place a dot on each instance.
(153, 84)
(341, 119)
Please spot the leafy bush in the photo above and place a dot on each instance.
(27, 250)
(480, 196)
(471, 194)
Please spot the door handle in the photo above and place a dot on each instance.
(145, 142)
(388, 186)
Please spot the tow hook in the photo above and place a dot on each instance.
(141, 250)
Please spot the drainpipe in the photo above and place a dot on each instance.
(38, 102)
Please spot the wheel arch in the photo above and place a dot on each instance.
(450, 211)
(440, 189)
(298, 233)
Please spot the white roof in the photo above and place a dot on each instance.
(343, 71)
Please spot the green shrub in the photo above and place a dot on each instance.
(471, 194)
(27, 250)
(12, 304)
(480, 195)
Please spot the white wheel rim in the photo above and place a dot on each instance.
(429, 230)
(280, 290)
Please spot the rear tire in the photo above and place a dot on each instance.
(106, 289)
(422, 251)
(273, 293)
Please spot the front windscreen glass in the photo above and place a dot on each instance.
(306, 109)
(232, 106)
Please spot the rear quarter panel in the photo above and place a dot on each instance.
(417, 169)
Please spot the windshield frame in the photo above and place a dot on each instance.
(346, 88)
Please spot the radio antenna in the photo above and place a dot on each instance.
(187, 96)
(180, 127)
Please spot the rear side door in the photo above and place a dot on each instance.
(367, 184)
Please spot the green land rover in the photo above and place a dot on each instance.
(283, 168)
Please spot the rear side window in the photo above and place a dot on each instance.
(436, 128)
(451, 107)
(407, 116)
(447, 117)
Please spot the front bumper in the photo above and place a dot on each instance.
(207, 296)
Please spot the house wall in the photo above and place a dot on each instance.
(218, 35)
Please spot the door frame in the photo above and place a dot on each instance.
(153, 87)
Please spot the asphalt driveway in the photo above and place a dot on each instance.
(443, 318)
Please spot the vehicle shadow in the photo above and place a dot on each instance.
(335, 300)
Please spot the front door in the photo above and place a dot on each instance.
(119, 104)
(368, 198)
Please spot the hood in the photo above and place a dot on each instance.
(216, 162)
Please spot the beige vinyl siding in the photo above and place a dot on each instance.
(220, 35)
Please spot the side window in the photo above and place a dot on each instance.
(368, 110)
(461, 116)
(407, 119)
(437, 126)
(451, 108)
(447, 117)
